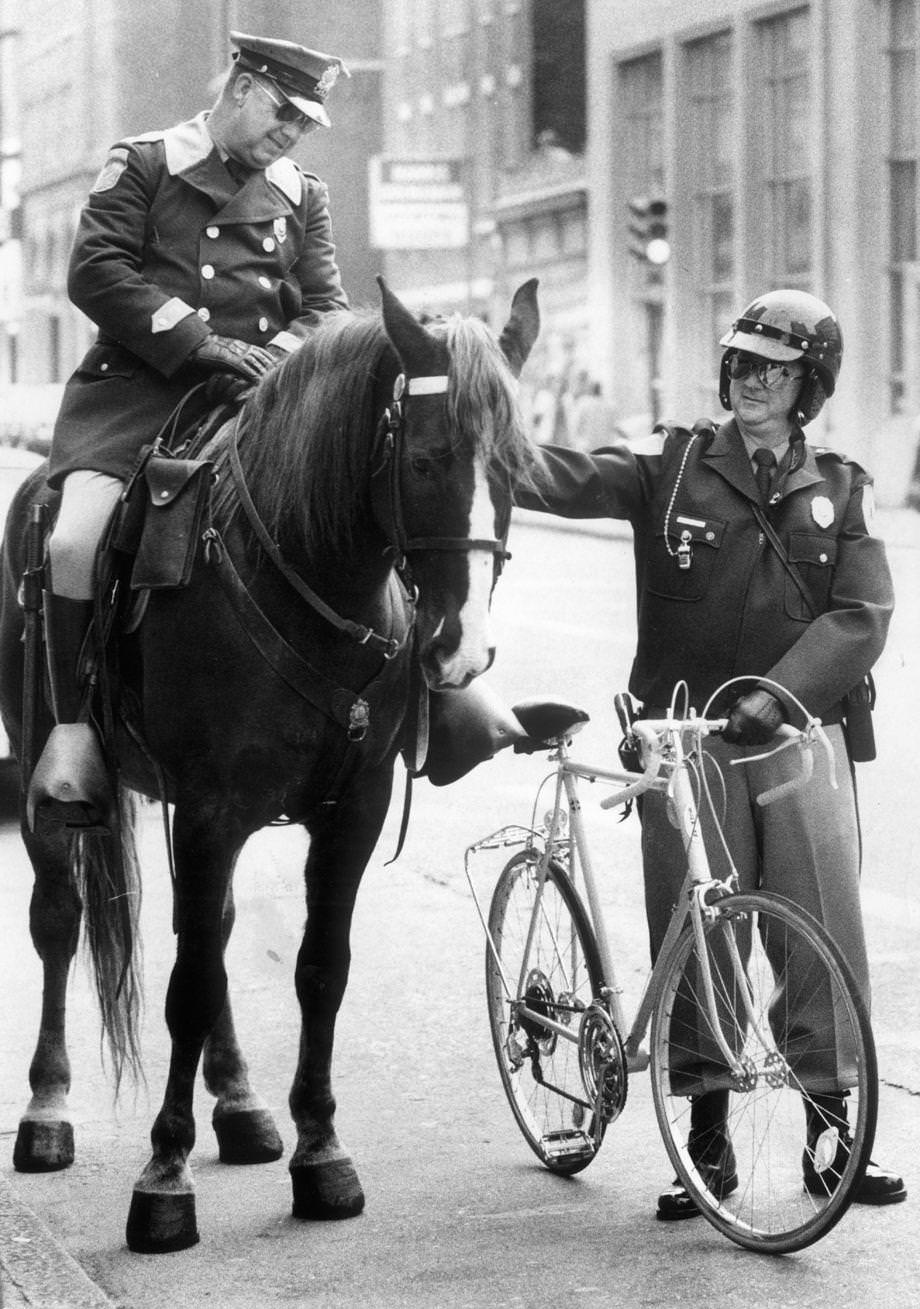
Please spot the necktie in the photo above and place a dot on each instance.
(765, 460)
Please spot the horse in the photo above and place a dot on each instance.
(360, 504)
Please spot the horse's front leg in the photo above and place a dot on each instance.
(162, 1214)
(245, 1130)
(324, 1180)
(44, 1141)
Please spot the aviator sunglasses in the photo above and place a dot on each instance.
(288, 113)
(769, 374)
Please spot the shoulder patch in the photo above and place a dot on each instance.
(112, 169)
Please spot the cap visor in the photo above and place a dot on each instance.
(311, 108)
(764, 346)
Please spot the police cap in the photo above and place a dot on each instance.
(305, 77)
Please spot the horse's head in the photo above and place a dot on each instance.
(456, 444)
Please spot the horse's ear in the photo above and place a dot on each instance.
(416, 347)
(523, 326)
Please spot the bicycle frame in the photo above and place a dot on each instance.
(699, 888)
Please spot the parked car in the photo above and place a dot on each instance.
(15, 463)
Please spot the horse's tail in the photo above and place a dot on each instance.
(107, 873)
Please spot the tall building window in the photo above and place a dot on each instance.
(903, 41)
(559, 74)
(640, 92)
(707, 139)
(784, 113)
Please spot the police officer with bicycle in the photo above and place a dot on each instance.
(755, 559)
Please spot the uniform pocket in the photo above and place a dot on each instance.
(666, 577)
(108, 361)
(814, 556)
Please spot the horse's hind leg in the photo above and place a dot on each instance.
(245, 1130)
(44, 1141)
(324, 1180)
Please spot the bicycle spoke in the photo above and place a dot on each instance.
(796, 1030)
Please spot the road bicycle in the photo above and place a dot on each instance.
(748, 996)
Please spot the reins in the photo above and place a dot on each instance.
(388, 646)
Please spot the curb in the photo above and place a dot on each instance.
(36, 1272)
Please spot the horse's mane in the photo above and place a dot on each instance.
(308, 429)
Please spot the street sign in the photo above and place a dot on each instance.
(418, 204)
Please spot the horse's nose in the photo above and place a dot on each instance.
(447, 665)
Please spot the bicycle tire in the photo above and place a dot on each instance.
(768, 1209)
(540, 1071)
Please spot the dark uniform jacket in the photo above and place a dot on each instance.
(734, 611)
(170, 248)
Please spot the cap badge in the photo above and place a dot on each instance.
(280, 226)
(822, 511)
(327, 81)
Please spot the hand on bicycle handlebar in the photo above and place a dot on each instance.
(225, 354)
(753, 719)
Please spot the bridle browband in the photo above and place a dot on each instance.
(393, 434)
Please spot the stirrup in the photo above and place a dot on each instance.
(70, 784)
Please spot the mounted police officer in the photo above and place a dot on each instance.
(755, 559)
(202, 249)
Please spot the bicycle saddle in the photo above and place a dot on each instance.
(544, 721)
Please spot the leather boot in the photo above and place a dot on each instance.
(710, 1148)
(827, 1149)
(70, 783)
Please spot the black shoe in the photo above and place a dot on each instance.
(826, 1117)
(711, 1150)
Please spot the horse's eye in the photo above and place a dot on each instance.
(422, 464)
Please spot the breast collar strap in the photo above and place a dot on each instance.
(363, 635)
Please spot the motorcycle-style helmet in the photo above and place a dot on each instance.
(787, 325)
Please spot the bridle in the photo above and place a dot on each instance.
(390, 445)
(391, 442)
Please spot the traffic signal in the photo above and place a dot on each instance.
(648, 230)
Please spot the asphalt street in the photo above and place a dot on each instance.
(458, 1212)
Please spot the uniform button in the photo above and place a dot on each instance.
(710, 536)
(268, 244)
(103, 368)
(212, 232)
(207, 272)
(263, 324)
(822, 558)
(264, 281)
(204, 313)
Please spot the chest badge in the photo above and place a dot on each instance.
(280, 226)
(822, 511)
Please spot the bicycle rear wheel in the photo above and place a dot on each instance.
(801, 1088)
(541, 1069)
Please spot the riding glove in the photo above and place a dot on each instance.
(225, 354)
(753, 719)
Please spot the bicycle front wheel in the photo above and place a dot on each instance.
(543, 956)
(774, 1150)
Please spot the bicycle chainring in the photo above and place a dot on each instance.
(603, 1064)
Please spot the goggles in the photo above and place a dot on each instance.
(288, 113)
(768, 373)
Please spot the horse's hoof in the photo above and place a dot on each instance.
(161, 1222)
(247, 1136)
(43, 1147)
(326, 1190)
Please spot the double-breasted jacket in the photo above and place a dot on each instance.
(170, 248)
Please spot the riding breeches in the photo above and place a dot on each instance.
(87, 501)
(805, 847)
